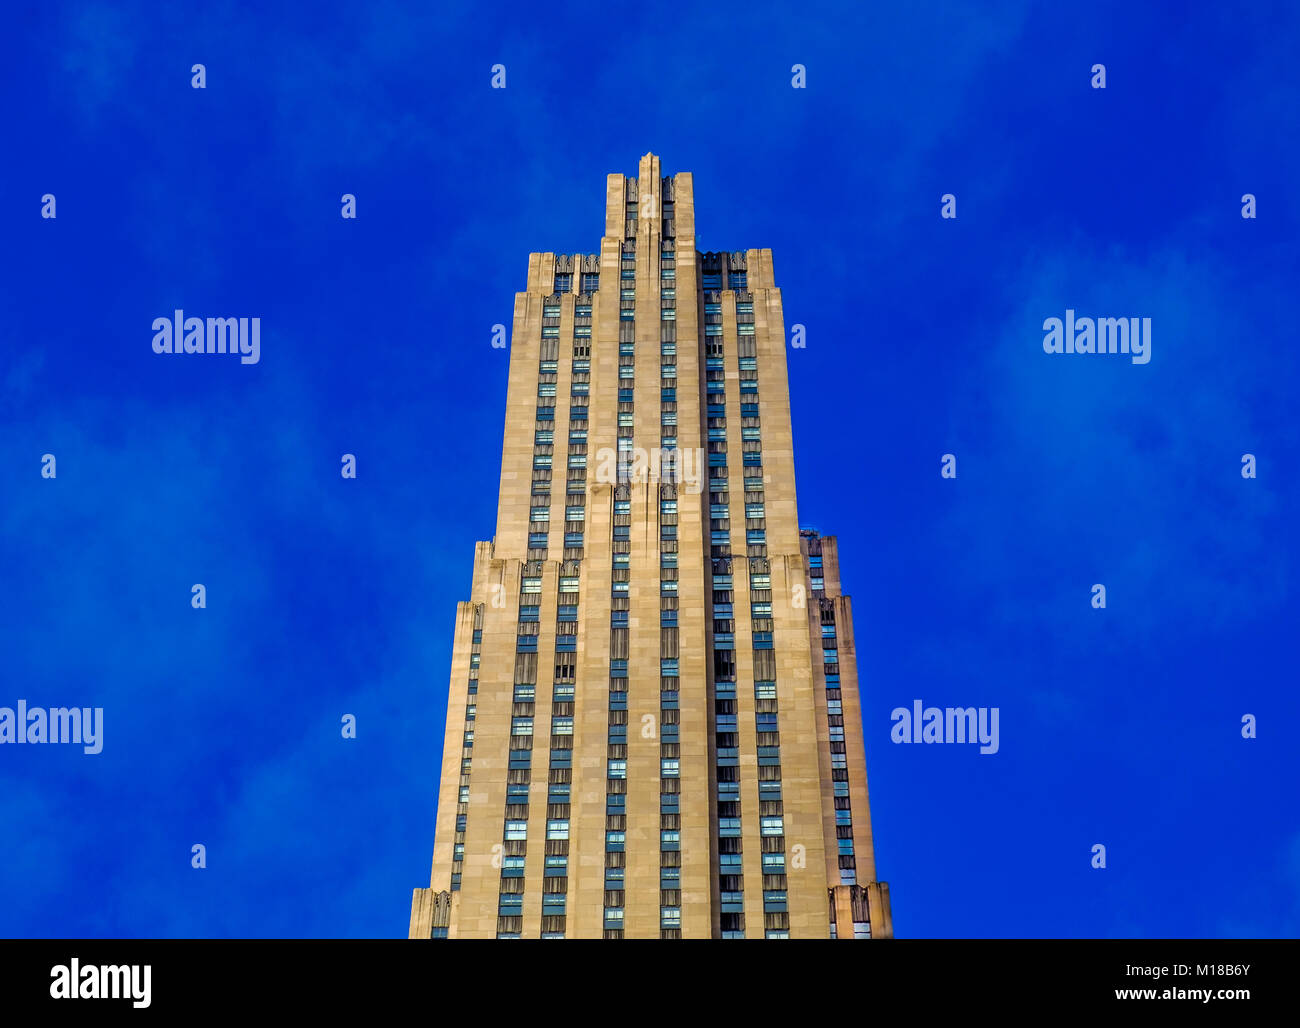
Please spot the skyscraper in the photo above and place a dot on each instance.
(653, 727)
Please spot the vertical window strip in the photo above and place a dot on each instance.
(612, 923)
(722, 625)
(834, 709)
(670, 863)
(467, 752)
(514, 838)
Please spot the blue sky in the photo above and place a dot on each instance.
(326, 596)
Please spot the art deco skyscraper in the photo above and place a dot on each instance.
(653, 727)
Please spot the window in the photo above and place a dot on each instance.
(590, 284)
(516, 831)
(563, 282)
(557, 829)
(532, 586)
(521, 726)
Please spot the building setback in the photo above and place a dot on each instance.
(653, 724)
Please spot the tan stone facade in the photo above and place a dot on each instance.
(646, 736)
